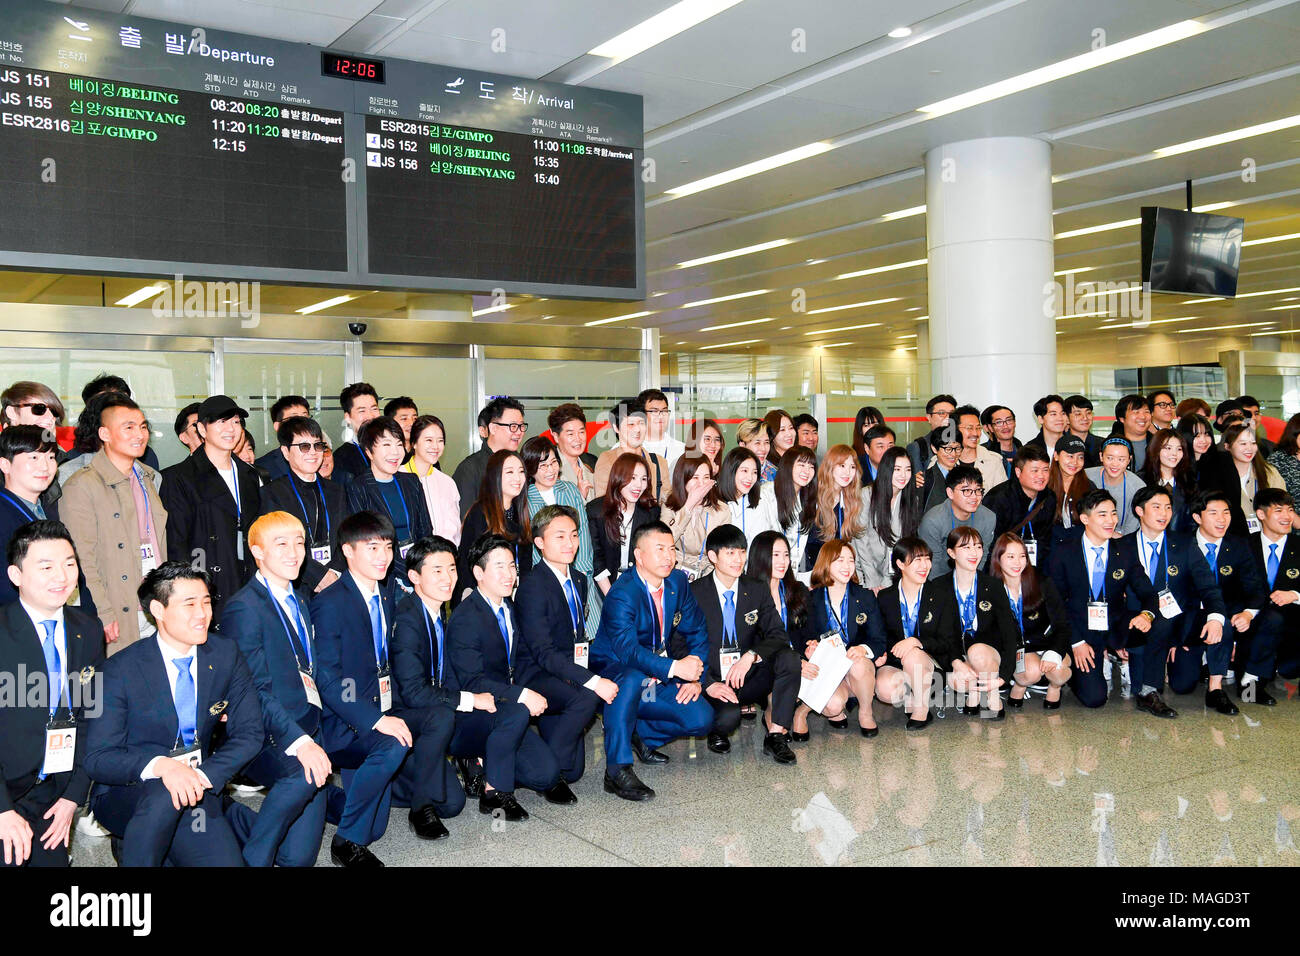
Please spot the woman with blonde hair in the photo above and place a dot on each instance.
(753, 434)
(841, 510)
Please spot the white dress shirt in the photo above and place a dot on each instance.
(60, 636)
(1264, 542)
(510, 633)
(1144, 555)
(173, 674)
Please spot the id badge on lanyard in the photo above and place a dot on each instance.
(1020, 660)
(60, 747)
(309, 687)
(322, 555)
(148, 558)
(726, 659)
(1169, 605)
(1252, 523)
(191, 756)
(1097, 616)
(385, 690)
(580, 652)
(1031, 551)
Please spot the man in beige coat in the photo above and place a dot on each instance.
(117, 521)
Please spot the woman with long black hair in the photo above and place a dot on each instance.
(793, 497)
(894, 507)
(918, 644)
(1041, 617)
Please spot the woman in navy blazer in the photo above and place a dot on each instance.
(840, 605)
(975, 614)
(919, 643)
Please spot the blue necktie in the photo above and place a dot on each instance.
(839, 519)
(574, 612)
(437, 626)
(729, 619)
(303, 640)
(1272, 564)
(53, 666)
(1098, 576)
(505, 633)
(1210, 550)
(377, 631)
(1154, 564)
(40, 510)
(185, 699)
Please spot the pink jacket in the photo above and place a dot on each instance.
(443, 498)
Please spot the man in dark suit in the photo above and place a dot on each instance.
(158, 780)
(353, 620)
(43, 777)
(486, 650)
(1242, 587)
(268, 619)
(1094, 580)
(320, 503)
(427, 695)
(360, 403)
(551, 613)
(285, 408)
(1276, 552)
(1025, 504)
(659, 696)
(1182, 581)
(749, 652)
(212, 500)
(387, 490)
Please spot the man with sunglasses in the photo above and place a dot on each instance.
(285, 408)
(31, 403)
(319, 503)
(501, 426)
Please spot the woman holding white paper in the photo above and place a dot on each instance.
(918, 645)
(1041, 617)
(840, 609)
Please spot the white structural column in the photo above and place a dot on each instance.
(989, 238)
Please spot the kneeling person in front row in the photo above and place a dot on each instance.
(43, 776)
(268, 618)
(158, 781)
(551, 613)
(647, 612)
(487, 652)
(353, 619)
(749, 653)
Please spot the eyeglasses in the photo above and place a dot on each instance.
(971, 492)
(514, 429)
(1164, 405)
(657, 411)
(548, 463)
(307, 447)
(1003, 422)
(950, 449)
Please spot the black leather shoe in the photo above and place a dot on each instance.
(1016, 702)
(914, 724)
(627, 785)
(353, 855)
(999, 714)
(645, 754)
(869, 731)
(504, 801)
(1218, 700)
(1154, 705)
(970, 710)
(560, 794)
(748, 714)
(1261, 696)
(471, 776)
(719, 744)
(1051, 704)
(426, 824)
(838, 724)
(779, 747)
(801, 737)
(115, 848)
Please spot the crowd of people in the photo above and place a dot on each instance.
(350, 628)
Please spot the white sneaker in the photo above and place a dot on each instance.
(246, 788)
(1125, 680)
(1107, 669)
(88, 826)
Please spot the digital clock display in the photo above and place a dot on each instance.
(352, 67)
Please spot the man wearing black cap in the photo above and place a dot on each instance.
(212, 499)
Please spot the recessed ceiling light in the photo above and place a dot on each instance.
(1268, 239)
(139, 295)
(899, 33)
(1220, 328)
(1241, 295)
(723, 298)
(617, 318)
(1071, 272)
(835, 345)
(662, 26)
(879, 269)
(903, 213)
(329, 303)
(1246, 132)
(844, 328)
(725, 345)
(732, 325)
(852, 305)
(750, 169)
(1121, 223)
(744, 251)
(490, 310)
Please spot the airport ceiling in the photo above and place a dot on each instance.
(765, 77)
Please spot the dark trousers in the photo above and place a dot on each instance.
(1147, 660)
(511, 755)
(569, 711)
(32, 807)
(152, 830)
(422, 781)
(1090, 687)
(652, 712)
(1257, 651)
(368, 765)
(286, 830)
(1185, 669)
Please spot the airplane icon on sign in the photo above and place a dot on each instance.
(454, 85)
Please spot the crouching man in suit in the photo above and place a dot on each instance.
(43, 776)
(158, 781)
(659, 696)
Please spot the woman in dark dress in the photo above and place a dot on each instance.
(918, 642)
(1041, 618)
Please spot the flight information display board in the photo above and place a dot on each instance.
(136, 146)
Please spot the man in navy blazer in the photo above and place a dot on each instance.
(1274, 641)
(483, 638)
(551, 612)
(1094, 580)
(659, 697)
(353, 621)
(268, 618)
(1183, 581)
(40, 792)
(158, 780)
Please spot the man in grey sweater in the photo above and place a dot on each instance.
(964, 487)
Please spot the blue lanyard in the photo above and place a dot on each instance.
(144, 493)
(364, 456)
(234, 483)
(839, 521)
(840, 621)
(311, 535)
(657, 639)
(429, 628)
(706, 535)
(780, 587)
(1026, 523)
(27, 515)
(1018, 608)
(910, 614)
(289, 629)
(964, 605)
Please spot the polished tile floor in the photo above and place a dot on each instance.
(1112, 787)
